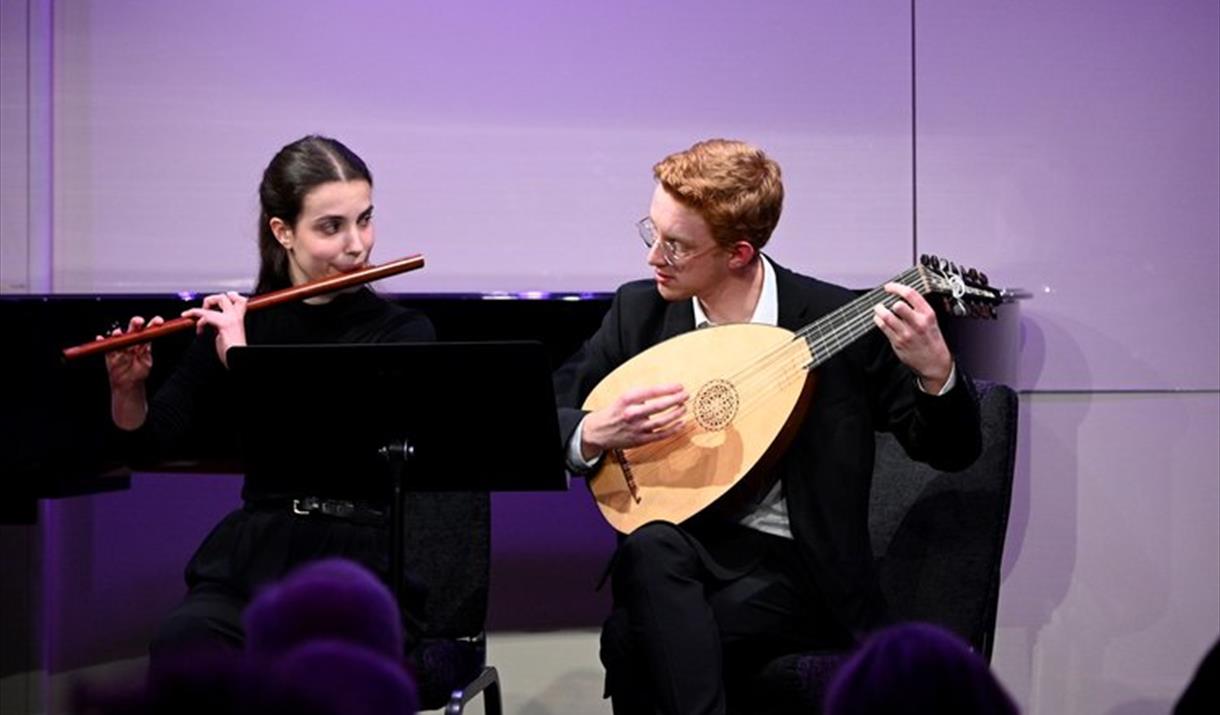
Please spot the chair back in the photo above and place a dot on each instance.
(939, 537)
(447, 548)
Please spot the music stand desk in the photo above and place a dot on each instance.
(462, 416)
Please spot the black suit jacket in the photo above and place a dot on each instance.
(827, 471)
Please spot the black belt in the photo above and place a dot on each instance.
(354, 511)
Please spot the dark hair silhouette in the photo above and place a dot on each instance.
(333, 599)
(916, 668)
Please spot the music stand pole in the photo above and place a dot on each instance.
(397, 454)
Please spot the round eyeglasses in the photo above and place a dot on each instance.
(670, 251)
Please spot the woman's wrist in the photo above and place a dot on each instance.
(128, 407)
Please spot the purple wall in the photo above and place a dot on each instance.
(1109, 596)
(14, 134)
(511, 142)
(1074, 150)
(1068, 149)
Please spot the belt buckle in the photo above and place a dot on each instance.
(305, 506)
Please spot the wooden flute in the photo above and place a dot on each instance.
(266, 300)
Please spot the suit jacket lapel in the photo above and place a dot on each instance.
(679, 318)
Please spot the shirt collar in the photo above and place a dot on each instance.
(767, 310)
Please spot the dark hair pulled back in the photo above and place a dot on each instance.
(297, 169)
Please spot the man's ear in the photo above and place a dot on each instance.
(282, 232)
(741, 254)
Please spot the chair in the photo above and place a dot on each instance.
(938, 541)
(448, 547)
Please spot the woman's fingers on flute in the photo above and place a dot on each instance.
(203, 317)
(216, 303)
(116, 328)
(130, 364)
(221, 310)
(136, 324)
(222, 301)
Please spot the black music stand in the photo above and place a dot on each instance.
(392, 418)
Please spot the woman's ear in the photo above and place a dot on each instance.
(282, 232)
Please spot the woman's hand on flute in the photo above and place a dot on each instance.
(127, 370)
(226, 313)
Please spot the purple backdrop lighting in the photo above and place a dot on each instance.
(1109, 597)
(1074, 150)
(511, 143)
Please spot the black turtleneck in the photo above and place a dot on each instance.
(198, 387)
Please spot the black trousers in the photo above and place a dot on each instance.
(697, 613)
(251, 548)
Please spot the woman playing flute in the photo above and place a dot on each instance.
(316, 221)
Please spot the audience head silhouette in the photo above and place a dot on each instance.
(332, 599)
(916, 668)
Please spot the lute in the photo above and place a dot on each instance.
(750, 386)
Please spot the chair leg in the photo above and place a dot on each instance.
(491, 698)
(488, 683)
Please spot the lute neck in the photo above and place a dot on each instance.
(833, 332)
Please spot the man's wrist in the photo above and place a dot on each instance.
(577, 459)
(938, 388)
(588, 452)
